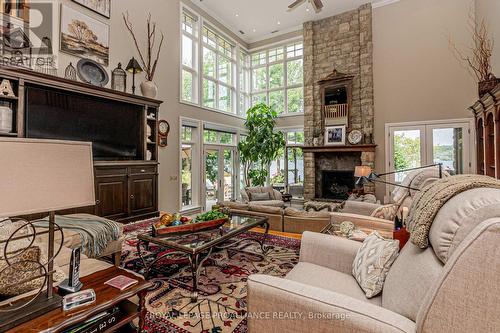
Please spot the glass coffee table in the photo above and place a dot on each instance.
(198, 246)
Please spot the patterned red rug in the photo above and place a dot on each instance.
(221, 306)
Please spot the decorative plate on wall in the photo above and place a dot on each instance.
(355, 137)
(92, 72)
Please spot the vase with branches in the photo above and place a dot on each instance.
(477, 59)
(149, 58)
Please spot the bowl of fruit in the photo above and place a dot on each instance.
(178, 224)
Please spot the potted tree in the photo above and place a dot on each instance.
(262, 144)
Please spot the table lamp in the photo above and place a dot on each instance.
(135, 68)
(42, 176)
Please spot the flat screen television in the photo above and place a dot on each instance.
(113, 127)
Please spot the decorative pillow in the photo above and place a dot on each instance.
(25, 265)
(386, 212)
(244, 196)
(260, 196)
(372, 263)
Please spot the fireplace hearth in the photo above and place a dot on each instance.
(337, 184)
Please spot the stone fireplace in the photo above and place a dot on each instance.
(338, 90)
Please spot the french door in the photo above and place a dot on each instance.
(419, 144)
(220, 174)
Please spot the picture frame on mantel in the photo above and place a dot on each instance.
(83, 36)
(102, 7)
(335, 135)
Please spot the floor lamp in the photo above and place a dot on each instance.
(40, 176)
(366, 175)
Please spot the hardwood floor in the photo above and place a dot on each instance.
(279, 233)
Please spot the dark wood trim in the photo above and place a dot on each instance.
(80, 87)
(107, 297)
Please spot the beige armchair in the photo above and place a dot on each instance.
(274, 197)
(452, 286)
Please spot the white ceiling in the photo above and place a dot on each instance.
(259, 18)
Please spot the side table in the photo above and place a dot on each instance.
(106, 297)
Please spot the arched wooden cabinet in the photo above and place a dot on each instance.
(487, 114)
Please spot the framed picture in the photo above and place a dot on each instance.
(335, 135)
(102, 7)
(84, 36)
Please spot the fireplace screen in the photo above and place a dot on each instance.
(337, 184)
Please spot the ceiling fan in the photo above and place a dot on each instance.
(316, 4)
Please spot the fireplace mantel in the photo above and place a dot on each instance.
(340, 149)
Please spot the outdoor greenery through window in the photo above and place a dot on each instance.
(218, 63)
(287, 171)
(277, 78)
(188, 163)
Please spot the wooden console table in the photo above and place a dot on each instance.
(106, 297)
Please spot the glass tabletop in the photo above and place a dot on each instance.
(202, 240)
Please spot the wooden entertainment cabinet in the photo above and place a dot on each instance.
(487, 118)
(126, 189)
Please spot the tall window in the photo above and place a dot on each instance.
(287, 171)
(277, 78)
(244, 82)
(189, 76)
(218, 64)
(189, 164)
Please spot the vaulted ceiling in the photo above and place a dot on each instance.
(255, 20)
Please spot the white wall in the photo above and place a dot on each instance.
(416, 77)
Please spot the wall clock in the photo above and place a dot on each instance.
(163, 130)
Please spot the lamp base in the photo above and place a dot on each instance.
(65, 288)
(37, 308)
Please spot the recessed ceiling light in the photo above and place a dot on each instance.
(254, 30)
(237, 15)
(279, 22)
(307, 9)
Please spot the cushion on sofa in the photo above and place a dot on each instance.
(372, 263)
(325, 278)
(235, 205)
(269, 203)
(459, 216)
(300, 213)
(260, 196)
(265, 209)
(244, 196)
(386, 212)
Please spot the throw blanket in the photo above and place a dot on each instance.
(429, 201)
(95, 232)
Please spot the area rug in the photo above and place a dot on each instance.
(221, 306)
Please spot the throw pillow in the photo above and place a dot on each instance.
(372, 263)
(260, 196)
(24, 258)
(386, 212)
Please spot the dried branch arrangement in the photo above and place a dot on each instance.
(148, 63)
(478, 61)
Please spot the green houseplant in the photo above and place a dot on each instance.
(262, 144)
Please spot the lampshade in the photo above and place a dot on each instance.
(41, 176)
(362, 171)
(133, 65)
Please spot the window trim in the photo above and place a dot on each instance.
(196, 147)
